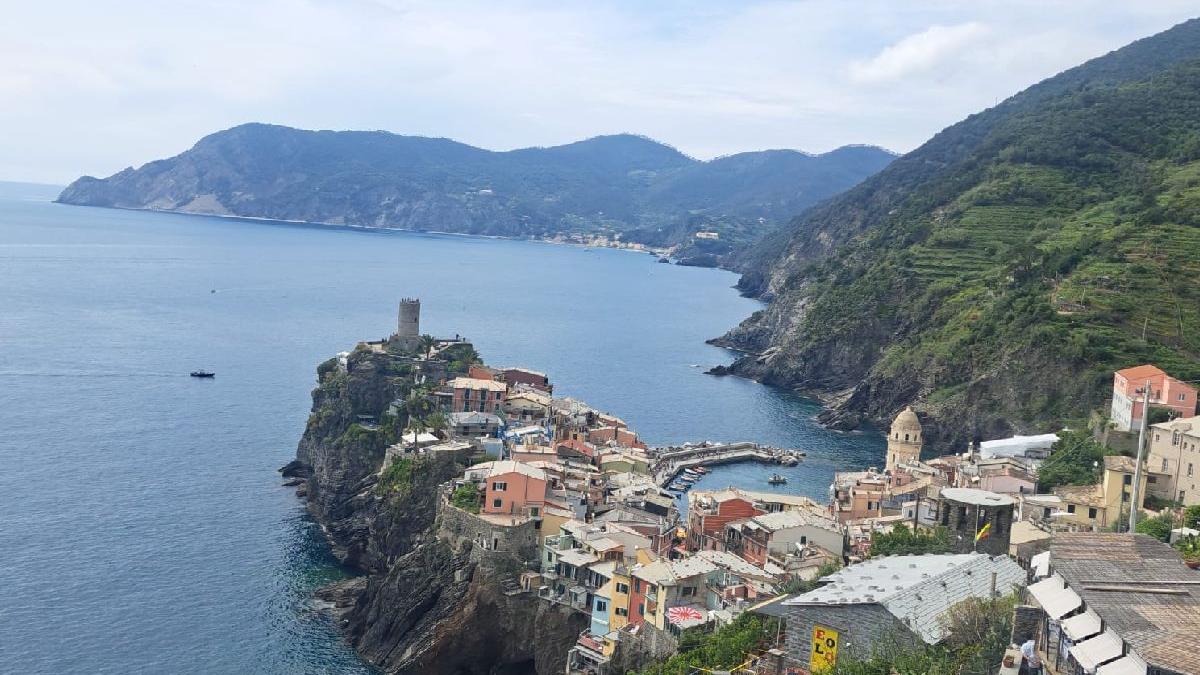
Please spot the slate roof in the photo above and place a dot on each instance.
(1142, 590)
(918, 590)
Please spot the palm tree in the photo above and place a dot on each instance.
(427, 344)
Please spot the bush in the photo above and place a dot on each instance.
(1074, 460)
(466, 497)
(728, 647)
(1191, 517)
(397, 477)
(1158, 527)
(904, 541)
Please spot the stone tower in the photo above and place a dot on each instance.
(408, 321)
(904, 440)
(967, 511)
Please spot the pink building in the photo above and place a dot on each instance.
(513, 488)
(475, 395)
(515, 376)
(1165, 392)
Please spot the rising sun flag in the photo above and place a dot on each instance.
(983, 533)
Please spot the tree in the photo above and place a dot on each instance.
(428, 342)
(1191, 517)
(1159, 526)
(904, 541)
(1074, 460)
(466, 497)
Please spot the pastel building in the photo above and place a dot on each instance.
(476, 395)
(513, 488)
(710, 512)
(1175, 453)
(1165, 392)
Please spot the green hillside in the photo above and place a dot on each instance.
(997, 275)
(621, 187)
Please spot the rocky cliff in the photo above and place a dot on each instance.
(995, 277)
(430, 600)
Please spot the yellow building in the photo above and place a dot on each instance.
(1096, 507)
(619, 593)
(904, 439)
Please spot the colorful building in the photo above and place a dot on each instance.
(513, 488)
(1165, 392)
(710, 512)
(1175, 454)
(475, 395)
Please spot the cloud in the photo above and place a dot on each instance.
(90, 88)
(917, 53)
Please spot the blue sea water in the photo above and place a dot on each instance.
(143, 528)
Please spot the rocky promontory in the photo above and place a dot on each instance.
(429, 600)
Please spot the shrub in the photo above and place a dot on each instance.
(466, 497)
(1191, 517)
(1158, 527)
(904, 541)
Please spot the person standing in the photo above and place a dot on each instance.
(1031, 661)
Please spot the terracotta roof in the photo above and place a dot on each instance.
(1141, 372)
(1088, 495)
(1119, 463)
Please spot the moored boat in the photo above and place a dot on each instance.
(777, 479)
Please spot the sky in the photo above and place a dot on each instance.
(93, 87)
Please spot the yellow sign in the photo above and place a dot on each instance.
(824, 649)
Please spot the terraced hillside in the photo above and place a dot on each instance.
(997, 275)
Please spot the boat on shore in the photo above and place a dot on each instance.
(202, 373)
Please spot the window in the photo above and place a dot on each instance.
(601, 606)
(497, 396)
(1070, 508)
(621, 611)
(535, 511)
(622, 588)
(1183, 397)
(497, 503)
(1181, 495)
(1092, 514)
(1189, 468)
(499, 486)
(803, 539)
(637, 585)
(1164, 465)
(1128, 480)
(688, 590)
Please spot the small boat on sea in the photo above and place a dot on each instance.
(202, 373)
(777, 479)
(701, 470)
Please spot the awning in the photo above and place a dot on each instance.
(1126, 665)
(1057, 600)
(1091, 653)
(1040, 564)
(1082, 626)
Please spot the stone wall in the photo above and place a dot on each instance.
(1025, 623)
(457, 527)
(863, 629)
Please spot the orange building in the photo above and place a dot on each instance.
(513, 488)
(1165, 392)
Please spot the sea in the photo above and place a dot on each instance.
(143, 527)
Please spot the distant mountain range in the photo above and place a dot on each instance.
(995, 277)
(621, 187)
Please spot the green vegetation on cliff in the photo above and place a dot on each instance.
(1006, 267)
(729, 646)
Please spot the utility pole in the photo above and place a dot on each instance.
(1137, 470)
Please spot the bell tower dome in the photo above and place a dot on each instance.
(904, 439)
